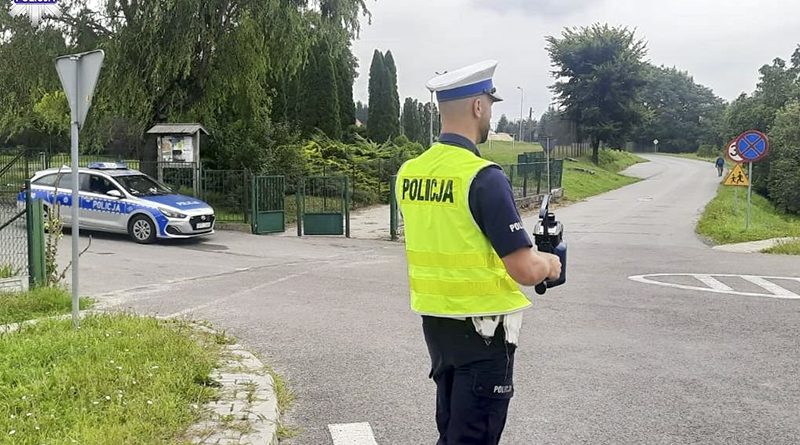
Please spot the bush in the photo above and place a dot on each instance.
(784, 181)
(708, 151)
(369, 166)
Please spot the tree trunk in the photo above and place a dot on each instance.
(595, 151)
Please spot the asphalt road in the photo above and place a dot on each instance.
(603, 359)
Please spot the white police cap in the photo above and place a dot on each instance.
(469, 81)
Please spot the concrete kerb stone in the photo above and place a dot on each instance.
(753, 246)
(246, 412)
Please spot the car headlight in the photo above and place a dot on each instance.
(171, 214)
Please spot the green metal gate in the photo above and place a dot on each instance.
(323, 206)
(268, 201)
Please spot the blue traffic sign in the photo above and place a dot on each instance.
(752, 145)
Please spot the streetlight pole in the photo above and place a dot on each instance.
(430, 118)
(521, 110)
(430, 112)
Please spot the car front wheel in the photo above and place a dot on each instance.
(142, 230)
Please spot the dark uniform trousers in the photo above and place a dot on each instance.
(474, 381)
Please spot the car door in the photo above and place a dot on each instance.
(60, 194)
(105, 212)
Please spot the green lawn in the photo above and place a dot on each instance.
(723, 221)
(583, 179)
(118, 380)
(505, 153)
(39, 302)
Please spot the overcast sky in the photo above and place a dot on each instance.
(721, 43)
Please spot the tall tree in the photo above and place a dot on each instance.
(784, 182)
(678, 112)
(345, 76)
(502, 124)
(224, 63)
(602, 74)
(378, 99)
(362, 112)
(321, 98)
(384, 107)
(778, 85)
(412, 121)
(394, 105)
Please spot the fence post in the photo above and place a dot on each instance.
(253, 210)
(525, 179)
(245, 195)
(392, 210)
(346, 210)
(34, 218)
(299, 199)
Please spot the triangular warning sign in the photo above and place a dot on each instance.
(737, 177)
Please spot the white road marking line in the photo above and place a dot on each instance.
(219, 300)
(784, 294)
(770, 286)
(712, 282)
(352, 434)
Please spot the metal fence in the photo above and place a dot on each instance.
(13, 222)
(532, 178)
(575, 150)
(228, 192)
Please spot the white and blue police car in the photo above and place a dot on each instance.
(114, 198)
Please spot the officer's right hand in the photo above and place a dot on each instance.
(553, 265)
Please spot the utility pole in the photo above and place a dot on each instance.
(521, 110)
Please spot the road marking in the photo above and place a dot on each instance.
(770, 286)
(234, 295)
(352, 434)
(715, 286)
(712, 282)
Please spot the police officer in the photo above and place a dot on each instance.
(467, 253)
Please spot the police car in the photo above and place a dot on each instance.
(114, 198)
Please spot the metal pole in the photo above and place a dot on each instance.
(76, 204)
(392, 210)
(430, 118)
(29, 228)
(521, 110)
(549, 190)
(75, 223)
(749, 193)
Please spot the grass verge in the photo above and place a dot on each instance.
(583, 179)
(505, 153)
(723, 220)
(118, 379)
(785, 248)
(36, 303)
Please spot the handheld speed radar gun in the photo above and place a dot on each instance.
(548, 234)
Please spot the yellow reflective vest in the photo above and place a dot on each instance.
(452, 268)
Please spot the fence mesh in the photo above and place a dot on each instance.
(13, 231)
(531, 178)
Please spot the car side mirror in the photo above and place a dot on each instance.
(114, 193)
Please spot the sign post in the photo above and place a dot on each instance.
(655, 145)
(732, 153)
(78, 74)
(751, 146)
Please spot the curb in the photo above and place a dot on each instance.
(246, 412)
(753, 246)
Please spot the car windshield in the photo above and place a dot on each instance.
(142, 185)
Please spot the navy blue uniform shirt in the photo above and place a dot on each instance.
(491, 202)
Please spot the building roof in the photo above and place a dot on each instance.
(176, 129)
